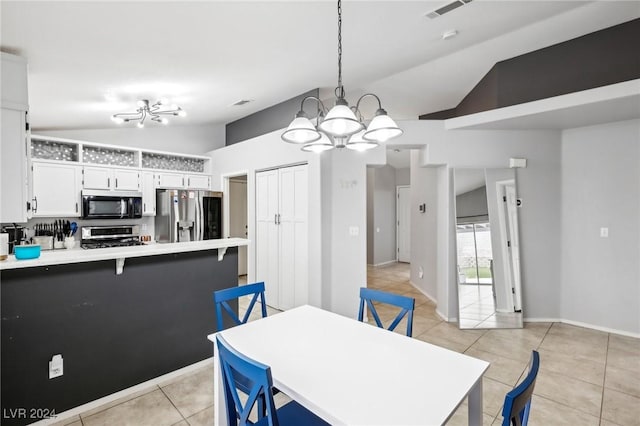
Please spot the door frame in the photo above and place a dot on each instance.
(398, 187)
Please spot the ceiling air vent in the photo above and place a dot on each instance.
(241, 102)
(447, 8)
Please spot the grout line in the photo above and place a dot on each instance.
(174, 405)
(604, 377)
(116, 405)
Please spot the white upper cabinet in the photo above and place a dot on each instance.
(14, 82)
(111, 179)
(170, 180)
(198, 182)
(13, 166)
(55, 190)
(148, 194)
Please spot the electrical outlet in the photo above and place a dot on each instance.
(354, 231)
(56, 366)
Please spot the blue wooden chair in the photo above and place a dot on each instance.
(222, 297)
(237, 370)
(517, 402)
(405, 303)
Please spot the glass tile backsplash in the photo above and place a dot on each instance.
(172, 162)
(46, 150)
(108, 156)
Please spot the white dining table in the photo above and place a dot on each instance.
(352, 373)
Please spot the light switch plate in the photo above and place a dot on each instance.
(354, 231)
(604, 232)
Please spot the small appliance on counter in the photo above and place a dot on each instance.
(16, 236)
(110, 236)
(187, 215)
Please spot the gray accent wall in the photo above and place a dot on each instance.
(601, 189)
(269, 119)
(381, 215)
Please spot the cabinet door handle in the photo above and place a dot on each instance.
(189, 182)
(34, 205)
(182, 181)
(275, 219)
(116, 182)
(108, 182)
(76, 207)
(144, 207)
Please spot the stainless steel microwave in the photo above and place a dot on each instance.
(111, 205)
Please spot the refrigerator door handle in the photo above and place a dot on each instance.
(199, 216)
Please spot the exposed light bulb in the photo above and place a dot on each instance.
(141, 103)
(164, 121)
(117, 120)
(163, 101)
(182, 113)
(140, 125)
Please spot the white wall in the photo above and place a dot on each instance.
(337, 202)
(601, 188)
(403, 176)
(424, 247)
(538, 186)
(182, 139)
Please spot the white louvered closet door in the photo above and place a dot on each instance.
(267, 257)
(293, 237)
(282, 235)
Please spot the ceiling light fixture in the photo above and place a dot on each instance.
(341, 126)
(155, 112)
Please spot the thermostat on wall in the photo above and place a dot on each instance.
(517, 162)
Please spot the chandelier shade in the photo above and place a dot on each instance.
(358, 143)
(301, 130)
(322, 144)
(382, 128)
(341, 126)
(341, 121)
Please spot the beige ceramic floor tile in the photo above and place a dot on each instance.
(515, 346)
(493, 394)
(593, 349)
(575, 393)
(442, 342)
(545, 412)
(621, 408)
(575, 366)
(626, 381)
(461, 417)
(502, 369)
(193, 393)
(119, 401)
(71, 421)
(152, 409)
(181, 423)
(452, 332)
(202, 418)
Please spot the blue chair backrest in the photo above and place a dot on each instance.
(405, 303)
(237, 371)
(221, 298)
(517, 403)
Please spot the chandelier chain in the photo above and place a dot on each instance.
(340, 89)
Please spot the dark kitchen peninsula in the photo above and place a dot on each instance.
(113, 330)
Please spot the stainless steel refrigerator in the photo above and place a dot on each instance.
(187, 215)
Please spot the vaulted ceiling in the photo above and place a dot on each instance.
(89, 60)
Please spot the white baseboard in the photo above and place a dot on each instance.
(586, 325)
(428, 296)
(123, 393)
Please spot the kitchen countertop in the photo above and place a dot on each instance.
(79, 255)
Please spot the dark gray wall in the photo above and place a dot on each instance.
(113, 331)
(273, 118)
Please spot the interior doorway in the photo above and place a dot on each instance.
(403, 223)
(238, 217)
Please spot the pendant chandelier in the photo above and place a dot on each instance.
(341, 126)
(156, 112)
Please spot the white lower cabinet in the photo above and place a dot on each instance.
(282, 235)
(55, 190)
(148, 194)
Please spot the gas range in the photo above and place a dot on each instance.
(94, 237)
(111, 243)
